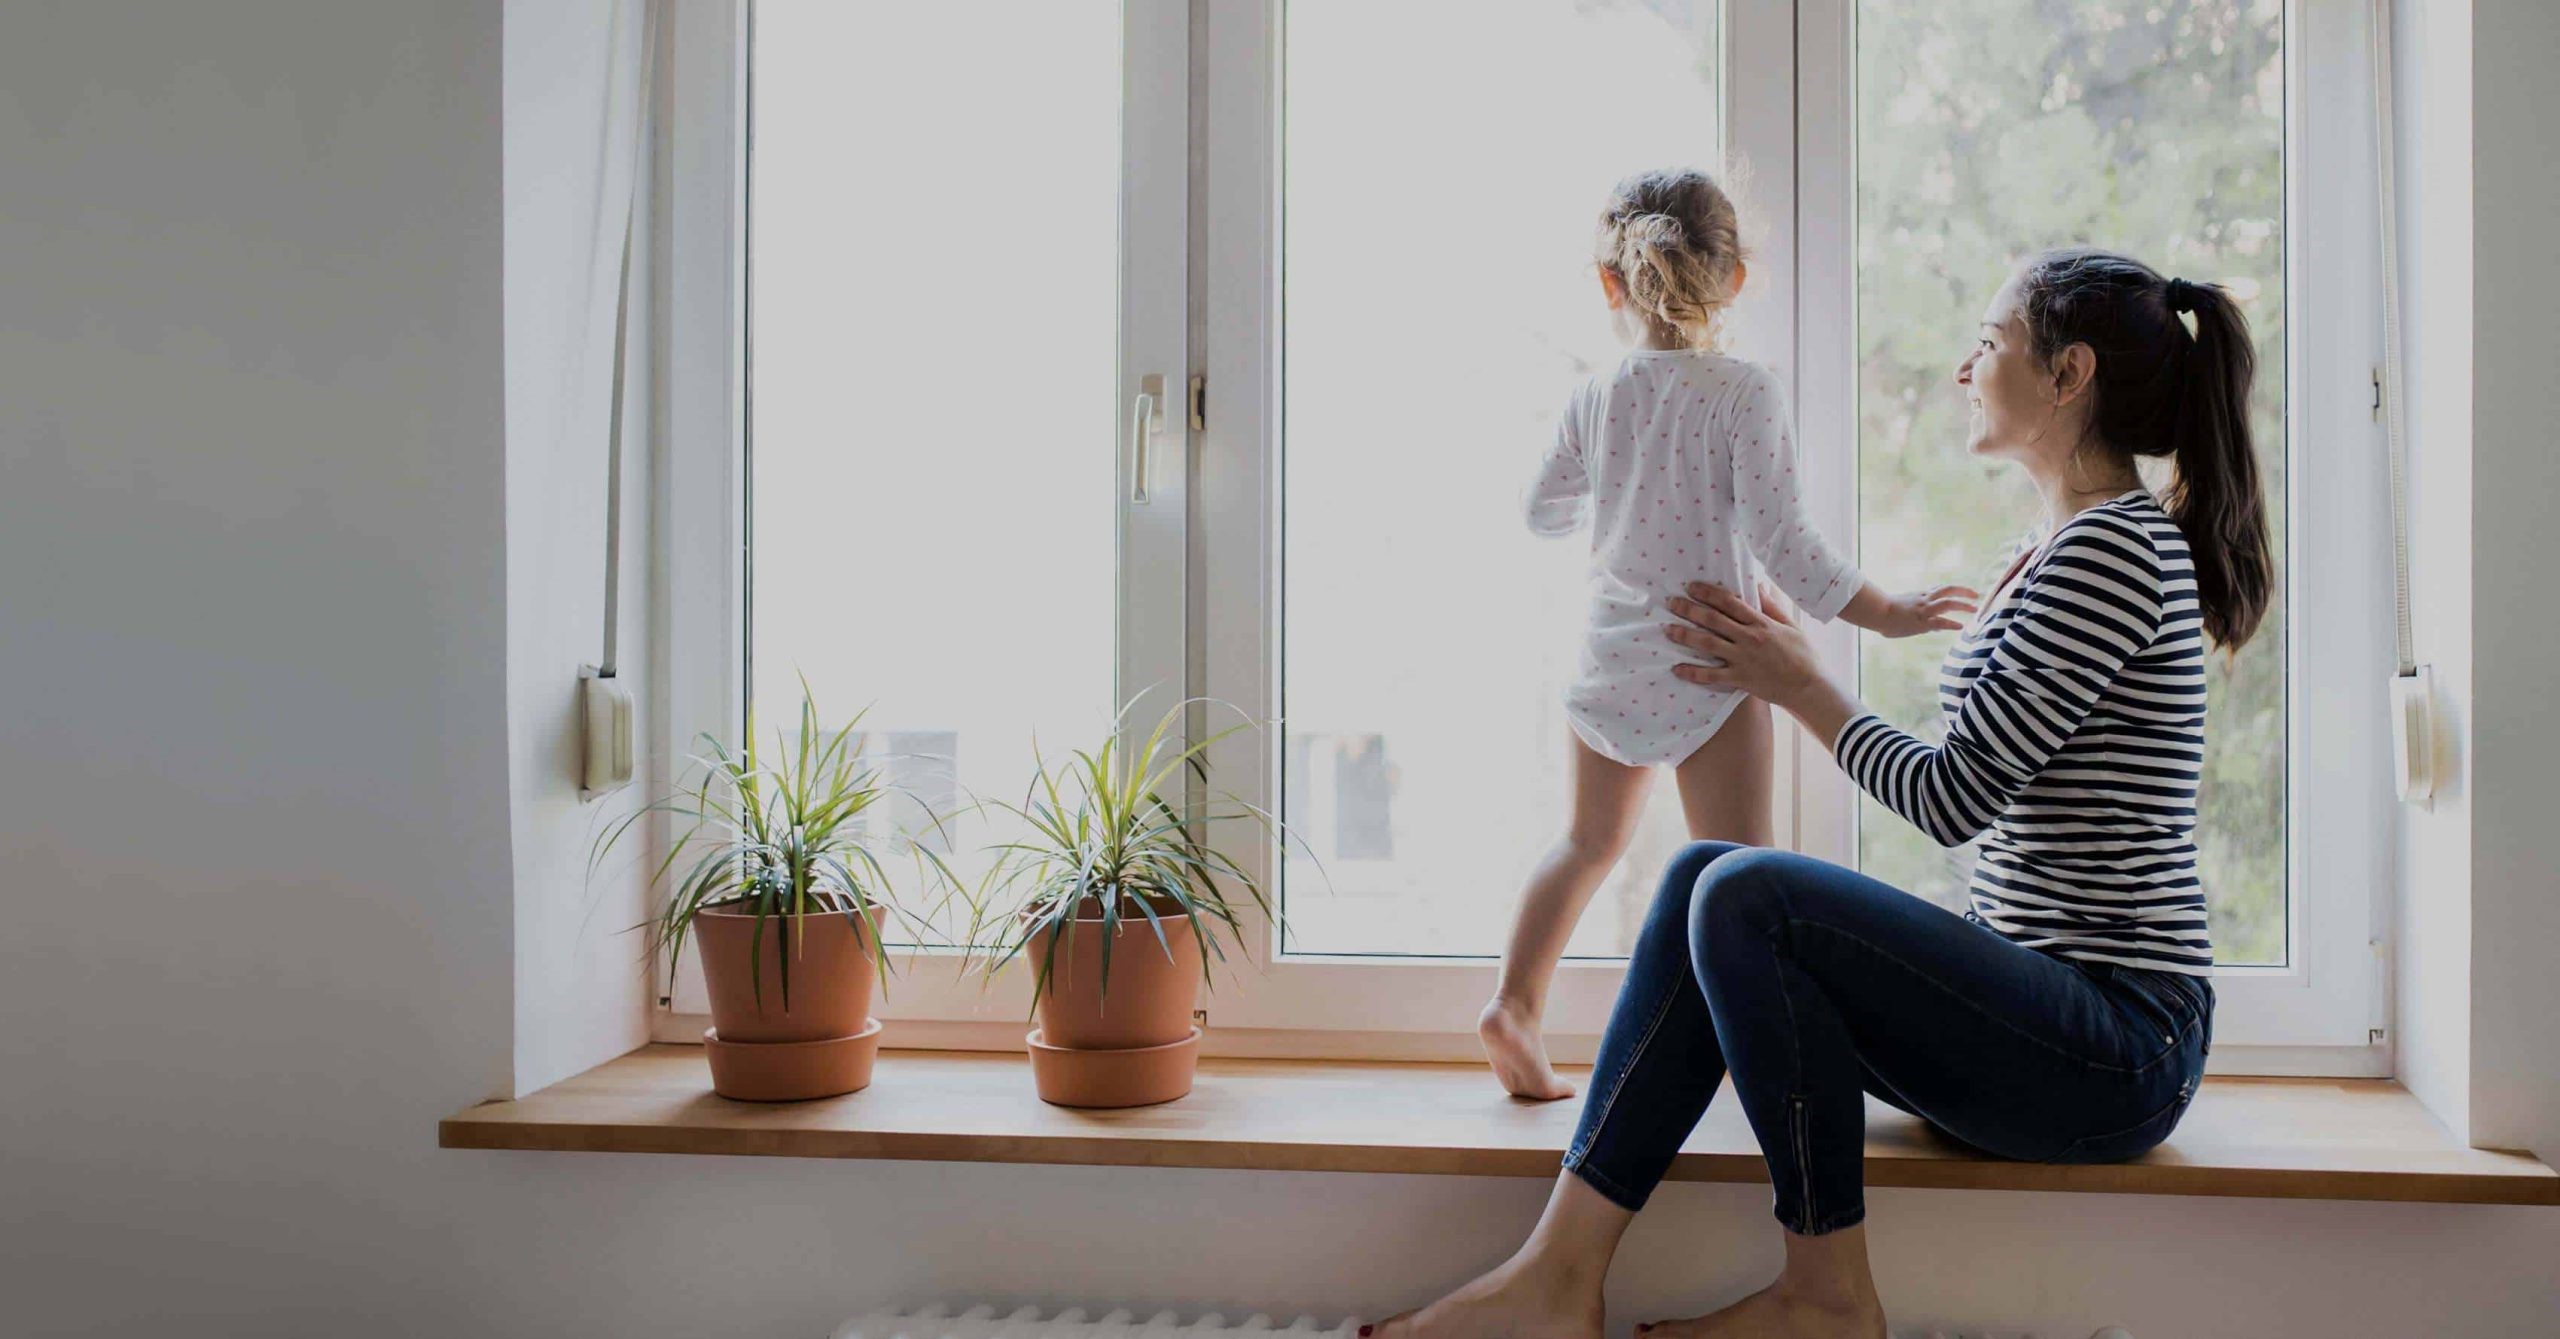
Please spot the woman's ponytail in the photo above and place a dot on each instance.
(2218, 500)
(2161, 391)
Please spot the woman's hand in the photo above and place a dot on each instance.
(1757, 650)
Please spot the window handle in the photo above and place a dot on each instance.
(1146, 420)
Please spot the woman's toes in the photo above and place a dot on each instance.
(1769, 1315)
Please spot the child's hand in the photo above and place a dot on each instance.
(1938, 609)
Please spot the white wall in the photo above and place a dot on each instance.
(2433, 946)
(2515, 1052)
(571, 106)
(254, 840)
(256, 576)
(2477, 1000)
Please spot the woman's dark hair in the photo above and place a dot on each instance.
(2160, 391)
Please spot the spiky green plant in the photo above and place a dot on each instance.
(780, 839)
(1104, 841)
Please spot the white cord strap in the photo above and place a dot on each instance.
(2412, 689)
(605, 667)
(2387, 195)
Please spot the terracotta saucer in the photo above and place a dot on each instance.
(792, 1071)
(1136, 1077)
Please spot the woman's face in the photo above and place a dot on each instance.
(2014, 398)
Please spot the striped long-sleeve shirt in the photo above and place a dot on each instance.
(2074, 738)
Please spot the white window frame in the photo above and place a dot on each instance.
(2325, 1011)
(704, 509)
(1205, 556)
(1378, 1004)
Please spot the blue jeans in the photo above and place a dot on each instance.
(1814, 985)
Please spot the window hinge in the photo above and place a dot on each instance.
(1199, 402)
(2377, 394)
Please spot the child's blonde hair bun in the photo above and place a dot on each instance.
(1673, 237)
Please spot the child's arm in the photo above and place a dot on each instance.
(1769, 510)
(1795, 555)
(1939, 609)
(1559, 498)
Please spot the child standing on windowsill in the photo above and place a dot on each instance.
(1681, 460)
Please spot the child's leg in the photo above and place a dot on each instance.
(1608, 799)
(1726, 786)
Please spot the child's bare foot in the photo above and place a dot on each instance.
(1516, 1300)
(1777, 1314)
(1518, 1051)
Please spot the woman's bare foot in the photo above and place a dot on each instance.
(1826, 1291)
(1518, 1299)
(1548, 1289)
(1518, 1050)
(1774, 1313)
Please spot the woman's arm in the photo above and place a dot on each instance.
(2093, 604)
(1761, 651)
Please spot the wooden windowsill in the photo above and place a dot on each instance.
(2345, 1139)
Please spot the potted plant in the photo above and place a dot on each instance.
(1119, 902)
(784, 893)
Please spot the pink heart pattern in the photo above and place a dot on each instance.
(1683, 477)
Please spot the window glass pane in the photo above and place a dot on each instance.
(1445, 164)
(933, 329)
(1990, 129)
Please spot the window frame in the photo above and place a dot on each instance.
(1378, 1004)
(1200, 577)
(705, 512)
(2325, 1010)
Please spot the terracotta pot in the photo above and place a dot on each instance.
(831, 975)
(1150, 996)
(1134, 1077)
(792, 1071)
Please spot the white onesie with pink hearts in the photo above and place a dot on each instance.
(1683, 464)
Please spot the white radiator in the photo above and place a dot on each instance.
(982, 1322)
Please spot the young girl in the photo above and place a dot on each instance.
(1682, 461)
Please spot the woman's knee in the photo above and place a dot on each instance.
(1668, 919)
(1689, 865)
(1744, 893)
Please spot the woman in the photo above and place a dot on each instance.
(2066, 1016)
